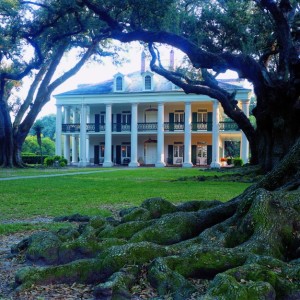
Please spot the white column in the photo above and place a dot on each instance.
(67, 137)
(58, 148)
(107, 148)
(134, 136)
(187, 162)
(88, 120)
(82, 146)
(215, 136)
(160, 137)
(244, 142)
(74, 138)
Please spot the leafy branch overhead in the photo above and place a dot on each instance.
(257, 39)
(34, 39)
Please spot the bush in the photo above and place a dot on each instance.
(62, 164)
(238, 162)
(57, 161)
(48, 161)
(31, 158)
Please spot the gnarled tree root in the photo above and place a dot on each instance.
(249, 248)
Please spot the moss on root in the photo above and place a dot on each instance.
(249, 248)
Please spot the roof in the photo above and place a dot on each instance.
(134, 84)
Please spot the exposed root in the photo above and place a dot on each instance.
(249, 248)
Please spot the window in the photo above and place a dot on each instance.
(179, 117)
(119, 84)
(202, 116)
(148, 82)
(126, 118)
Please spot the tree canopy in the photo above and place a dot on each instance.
(257, 39)
(248, 247)
(34, 37)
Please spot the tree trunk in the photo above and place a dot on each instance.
(277, 124)
(6, 139)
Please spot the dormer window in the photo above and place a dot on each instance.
(148, 81)
(119, 83)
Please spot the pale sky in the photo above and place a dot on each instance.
(95, 73)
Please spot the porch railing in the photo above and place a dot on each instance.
(71, 127)
(228, 126)
(150, 126)
(121, 127)
(173, 126)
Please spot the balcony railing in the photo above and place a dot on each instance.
(71, 127)
(150, 126)
(121, 127)
(201, 126)
(228, 126)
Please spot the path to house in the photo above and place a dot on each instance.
(64, 174)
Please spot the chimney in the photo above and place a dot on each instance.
(172, 60)
(143, 62)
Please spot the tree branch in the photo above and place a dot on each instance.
(210, 88)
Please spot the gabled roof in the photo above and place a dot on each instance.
(134, 84)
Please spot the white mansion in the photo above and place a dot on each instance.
(143, 119)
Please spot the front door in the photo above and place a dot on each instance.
(150, 153)
(201, 155)
(178, 154)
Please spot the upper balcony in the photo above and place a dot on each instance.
(150, 127)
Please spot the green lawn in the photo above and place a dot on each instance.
(96, 193)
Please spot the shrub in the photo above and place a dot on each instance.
(57, 158)
(238, 162)
(62, 164)
(31, 158)
(48, 161)
(57, 161)
(64, 160)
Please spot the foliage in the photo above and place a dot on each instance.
(55, 161)
(257, 39)
(32, 159)
(48, 124)
(49, 161)
(31, 145)
(238, 162)
(35, 37)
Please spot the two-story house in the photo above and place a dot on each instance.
(143, 119)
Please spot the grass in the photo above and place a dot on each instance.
(96, 193)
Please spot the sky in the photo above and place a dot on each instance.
(95, 72)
